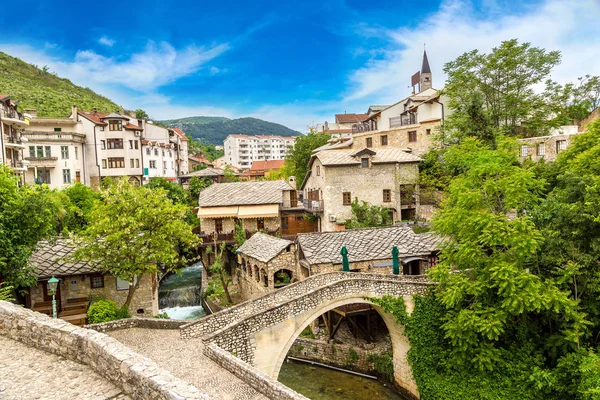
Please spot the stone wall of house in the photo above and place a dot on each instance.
(207, 225)
(144, 302)
(138, 376)
(363, 266)
(398, 138)
(334, 354)
(550, 147)
(252, 286)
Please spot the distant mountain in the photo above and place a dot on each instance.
(49, 94)
(215, 129)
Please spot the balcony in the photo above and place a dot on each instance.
(21, 166)
(313, 205)
(403, 120)
(42, 162)
(367, 126)
(13, 118)
(13, 142)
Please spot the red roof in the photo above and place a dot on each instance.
(266, 165)
(3, 96)
(180, 133)
(94, 118)
(349, 118)
(133, 127)
(145, 142)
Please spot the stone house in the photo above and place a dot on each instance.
(547, 147)
(265, 263)
(369, 250)
(257, 206)
(81, 280)
(386, 177)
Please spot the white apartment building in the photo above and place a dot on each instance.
(241, 150)
(12, 143)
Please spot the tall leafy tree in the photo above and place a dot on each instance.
(296, 162)
(132, 231)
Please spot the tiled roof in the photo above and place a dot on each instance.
(206, 172)
(364, 244)
(180, 133)
(266, 165)
(133, 127)
(263, 247)
(201, 160)
(48, 260)
(382, 156)
(114, 115)
(243, 193)
(95, 118)
(3, 97)
(348, 118)
(338, 144)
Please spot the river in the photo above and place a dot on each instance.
(180, 295)
(320, 383)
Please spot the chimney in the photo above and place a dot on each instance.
(292, 181)
(74, 115)
(94, 111)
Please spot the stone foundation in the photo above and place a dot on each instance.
(138, 376)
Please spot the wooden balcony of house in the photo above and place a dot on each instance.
(315, 206)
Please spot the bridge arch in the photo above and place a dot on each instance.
(274, 343)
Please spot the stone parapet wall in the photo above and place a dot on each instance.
(138, 376)
(237, 338)
(334, 354)
(215, 322)
(252, 376)
(148, 323)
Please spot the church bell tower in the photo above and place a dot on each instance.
(425, 73)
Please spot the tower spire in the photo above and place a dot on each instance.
(425, 82)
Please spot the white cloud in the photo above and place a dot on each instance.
(106, 41)
(571, 27)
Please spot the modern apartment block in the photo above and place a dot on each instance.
(242, 150)
(89, 146)
(12, 143)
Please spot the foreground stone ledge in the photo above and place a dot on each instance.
(138, 376)
(147, 323)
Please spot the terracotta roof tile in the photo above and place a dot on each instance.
(95, 118)
(266, 165)
(133, 127)
(180, 133)
(348, 118)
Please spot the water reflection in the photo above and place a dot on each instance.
(319, 383)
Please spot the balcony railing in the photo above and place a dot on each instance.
(42, 161)
(364, 127)
(10, 113)
(402, 120)
(313, 205)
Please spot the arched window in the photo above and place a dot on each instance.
(265, 278)
(282, 277)
(256, 274)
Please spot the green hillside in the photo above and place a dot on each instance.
(216, 131)
(50, 95)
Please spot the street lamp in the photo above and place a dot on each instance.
(53, 285)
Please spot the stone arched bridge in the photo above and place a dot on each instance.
(260, 332)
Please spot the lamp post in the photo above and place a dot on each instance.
(53, 284)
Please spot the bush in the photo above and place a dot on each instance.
(106, 310)
(162, 315)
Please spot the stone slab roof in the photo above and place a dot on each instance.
(382, 156)
(263, 247)
(48, 260)
(243, 193)
(365, 244)
(206, 172)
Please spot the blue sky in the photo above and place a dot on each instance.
(295, 63)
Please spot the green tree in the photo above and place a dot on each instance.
(27, 215)
(141, 114)
(493, 94)
(296, 162)
(366, 215)
(218, 268)
(175, 192)
(132, 231)
(197, 185)
(78, 201)
(491, 239)
(229, 175)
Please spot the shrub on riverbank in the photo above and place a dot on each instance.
(106, 310)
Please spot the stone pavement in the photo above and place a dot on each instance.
(185, 359)
(29, 373)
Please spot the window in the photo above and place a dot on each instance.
(155, 152)
(76, 153)
(147, 151)
(136, 144)
(122, 284)
(387, 195)
(412, 136)
(114, 143)
(32, 151)
(114, 125)
(524, 148)
(57, 129)
(153, 164)
(346, 198)
(369, 142)
(131, 144)
(137, 162)
(102, 145)
(364, 163)
(64, 152)
(73, 285)
(164, 165)
(170, 154)
(66, 176)
(48, 151)
(172, 164)
(96, 281)
(561, 145)
(163, 153)
(260, 224)
(541, 149)
(131, 163)
(116, 162)
(40, 152)
(104, 164)
(428, 131)
(219, 225)
(318, 170)
(384, 140)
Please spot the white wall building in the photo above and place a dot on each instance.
(12, 143)
(241, 150)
